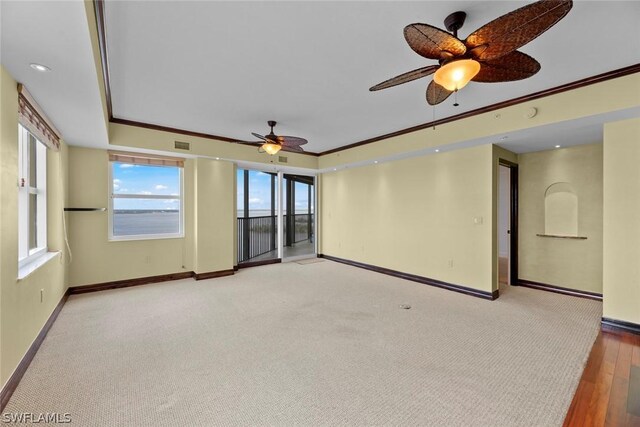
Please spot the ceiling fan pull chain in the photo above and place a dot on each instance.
(434, 117)
(455, 98)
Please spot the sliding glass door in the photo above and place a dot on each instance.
(268, 202)
(257, 216)
(298, 215)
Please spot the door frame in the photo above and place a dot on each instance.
(513, 220)
(314, 181)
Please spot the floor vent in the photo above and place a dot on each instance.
(182, 145)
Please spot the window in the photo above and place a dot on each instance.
(32, 197)
(145, 198)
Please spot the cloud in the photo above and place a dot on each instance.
(126, 165)
(116, 184)
(146, 193)
(255, 200)
(171, 201)
(161, 187)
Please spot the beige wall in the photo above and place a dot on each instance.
(415, 216)
(621, 278)
(570, 263)
(22, 314)
(95, 258)
(215, 215)
(209, 217)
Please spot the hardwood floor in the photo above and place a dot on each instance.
(609, 391)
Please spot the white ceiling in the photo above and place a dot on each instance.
(55, 34)
(225, 68)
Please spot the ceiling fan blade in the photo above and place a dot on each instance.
(430, 42)
(515, 29)
(291, 140)
(406, 77)
(512, 66)
(292, 148)
(252, 143)
(259, 136)
(436, 93)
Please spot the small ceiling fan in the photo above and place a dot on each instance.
(272, 143)
(487, 55)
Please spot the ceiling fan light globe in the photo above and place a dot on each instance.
(455, 75)
(271, 148)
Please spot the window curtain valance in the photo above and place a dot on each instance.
(145, 159)
(31, 116)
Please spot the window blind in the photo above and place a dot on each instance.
(30, 115)
(145, 159)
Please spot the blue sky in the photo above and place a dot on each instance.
(260, 192)
(138, 179)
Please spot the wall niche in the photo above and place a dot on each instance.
(561, 211)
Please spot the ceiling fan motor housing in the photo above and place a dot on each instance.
(455, 21)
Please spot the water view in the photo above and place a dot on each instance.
(134, 222)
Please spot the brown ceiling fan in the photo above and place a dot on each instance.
(272, 143)
(487, 55)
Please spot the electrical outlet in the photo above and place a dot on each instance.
(477, 220)
(147, 259)
(450, 263)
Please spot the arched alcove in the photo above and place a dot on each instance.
(560, 210)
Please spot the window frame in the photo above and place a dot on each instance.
(28, 255)
(116, 238)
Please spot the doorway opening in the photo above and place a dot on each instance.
(275, 217)
(507, 225)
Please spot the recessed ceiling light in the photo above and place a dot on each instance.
(436, 150)
(335, 169)
(217, 158)
(40, 67)
(375, 161)
(557, 146)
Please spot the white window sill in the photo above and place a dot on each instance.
(26, 270)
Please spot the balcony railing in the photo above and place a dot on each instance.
(259, 234)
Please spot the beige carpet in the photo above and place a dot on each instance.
(309, 261)
(316, 344)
